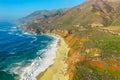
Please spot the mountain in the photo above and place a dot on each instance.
(91, 13)
(41, 15)
(92, 32)
(104, 12)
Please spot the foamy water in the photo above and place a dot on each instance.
(41, 64)
(23, 55)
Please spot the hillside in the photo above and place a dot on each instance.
(41, 15)
(91, 13)
(92, 32)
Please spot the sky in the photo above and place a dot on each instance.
(14, 9)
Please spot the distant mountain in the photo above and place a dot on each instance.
(91, 13)
(41, 15)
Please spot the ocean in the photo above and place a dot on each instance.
(23, 54)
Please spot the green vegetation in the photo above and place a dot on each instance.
(108, 43)
(110, 46)
(68, 54)
(84, 71)
(88, 54)
(76, 45)
(86, 20)
(116, 22)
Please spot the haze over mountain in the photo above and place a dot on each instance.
(92, 12)
(42, 14)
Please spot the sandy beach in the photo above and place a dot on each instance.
(57, 71)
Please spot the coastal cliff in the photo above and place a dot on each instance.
(91, 31)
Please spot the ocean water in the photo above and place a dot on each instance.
(23, 55)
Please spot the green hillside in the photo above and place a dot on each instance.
(85, 29)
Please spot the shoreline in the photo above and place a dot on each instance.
(57, 71)
(39, 65)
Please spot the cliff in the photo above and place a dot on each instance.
(94, 45)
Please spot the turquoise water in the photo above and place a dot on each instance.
(18, 49)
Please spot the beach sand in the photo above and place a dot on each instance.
(57, 71)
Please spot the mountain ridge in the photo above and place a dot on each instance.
(41, 15)
(91, 13)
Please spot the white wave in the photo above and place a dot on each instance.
(18, 34)
(14, 27)
(27, 33)
(13, 30)
(10, 32)
(41, 64)
(17, 68)
(34, 39)
(44, 41)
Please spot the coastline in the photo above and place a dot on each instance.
(39, 65)
(57, 71)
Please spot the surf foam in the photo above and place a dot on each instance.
(40, 64)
